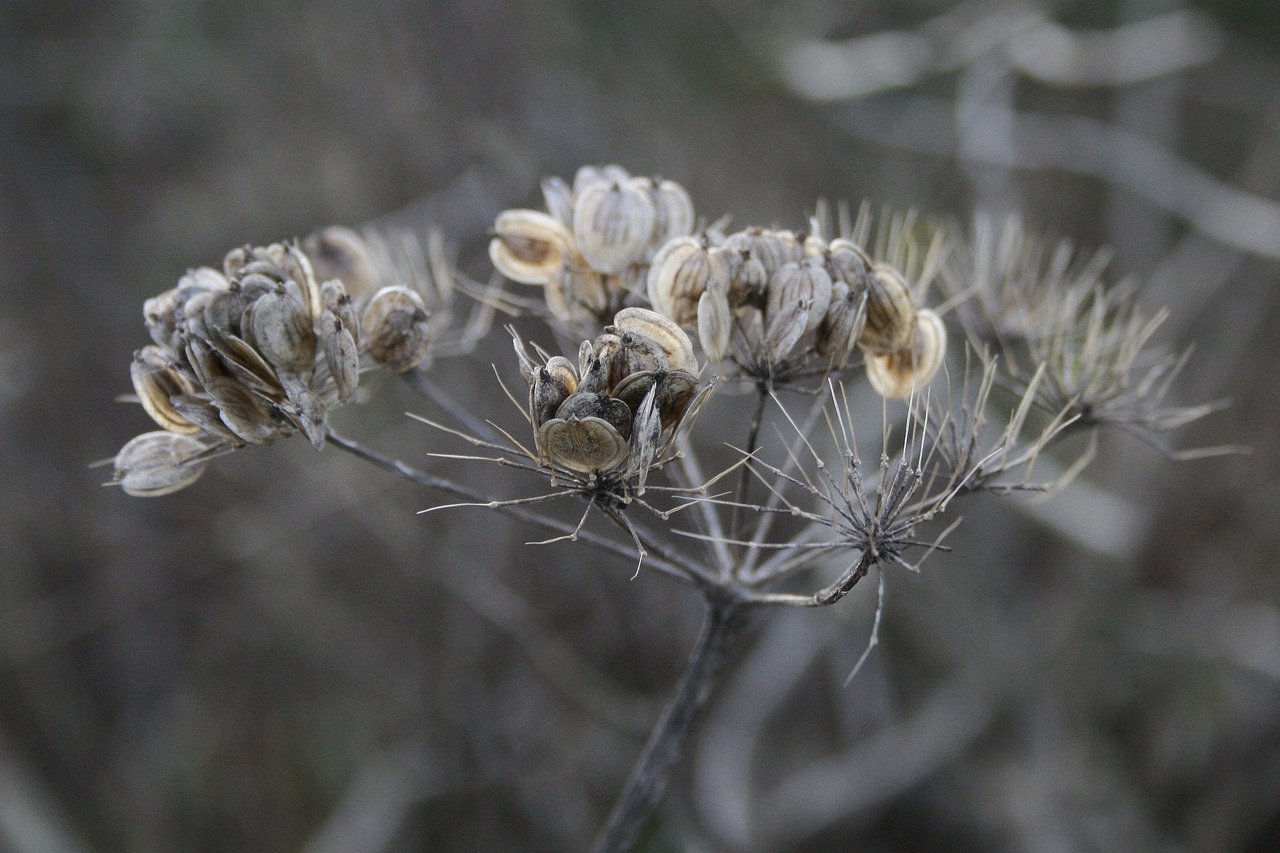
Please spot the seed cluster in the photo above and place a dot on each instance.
(617, 411)
(772, 301)
(261, 349)
(591, 249)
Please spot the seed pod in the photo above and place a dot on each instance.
(336, 299)
(814, 246)
(750, 285)
(584, 405)
(590, 176)
(847, 262)
(303, 409)
(340, 253)
(676, 390)
(341, 355)
(585, 446)
(297, 268)
(633, 389)
(682, 271)
(559, 199)
(529, 246)
(612, 224)
(546, 393)
(562, 370)
(244, 413)
(282, 331)
(673, 209)
(837, 334)
(806, 281)
(891, 312)
(673, 340)
(785, 330)
(200, 280)
(201, 411)
(160, 313)
(715, 324)
(895, 375)
(155, 380)
(245, 363)
(394, 329)
(772, 249)
(596, 378)
(159, 463)
(638, 352)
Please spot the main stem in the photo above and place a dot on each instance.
(708, 664)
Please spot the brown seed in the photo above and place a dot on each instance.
(244, 412)
(587, 446)
(896, 375)
(612, 411)
(529, 246)
(156, 380)
(394, 329)
(891, 312)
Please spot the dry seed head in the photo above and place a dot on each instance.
(683, 269)
(613, 223)
(159, 463)
(715, 324)
(585, 446)
(890, 312)
(807, 282)
(394, 329)
(529, 246)
(894, 376)
(670, 337)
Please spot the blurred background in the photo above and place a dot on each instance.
(286, 657)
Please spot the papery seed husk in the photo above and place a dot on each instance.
(609, 409)
(676, 389)
(529, 246)
(596, 378)
(282, 331)
(341, 355)
(244, 412)
(160, 313)
(201, 411)
(682, 271)
(673, 209)
(807, 281)
(297, 267)
(340, 302)
(339, 253)
(200, 280)
(304, 409)
(394, 329)
(586, 352)
(546, 394)
(590, 176)
(715, 324)
(849, 263)
(586, 446)
(612, 224)
(673, 340)
(559, 199)
(891, 312)
(155, 380)
(159, 463)
(638, 352)
(785, 330)
(896, 375)
(245, 363)
(632, 389)
(562, 370)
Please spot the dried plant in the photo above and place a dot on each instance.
(261, 350)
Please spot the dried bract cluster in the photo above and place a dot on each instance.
(592, 246)
(260, 349)
(614, 414)
(779, 306)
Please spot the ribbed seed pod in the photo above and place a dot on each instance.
(559, 199)
(245, 413)
(715, 324)
(611, 410)
(849, 263)
(638, 352)
(155, 381)
(613, 223)
(772, 249)
(673, 340)
(160, 313)
(585, 446)
(159, 463)
(340, 253)
(282, 331)
(341, 355)
(895, 375)
(806, 281)
(394, 329)
(785, 329)
(682, 270)
(590, 176)
(529, 246)
(548, 391)
(891, 312)
(336, 299)
(674, 214)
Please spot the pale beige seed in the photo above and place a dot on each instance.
(341, 355)
(638, 352)
(245, 413)
(283, 332)
(155, 381)
(682, 271)
(837, 335)
(591, 176)
(896, 375)
(559, 199)
(530, 246)
(785, 330)
(848, 263)
(613, 223)
(394, 329)
(674, 214)
(336, 299)
(715, 324)
(160, 313)
(585, 446)
(891, 312)
(159, 463)
(673, 340)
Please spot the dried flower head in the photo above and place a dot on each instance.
(591, 250)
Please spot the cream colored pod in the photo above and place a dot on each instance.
(529, 246)
(159, 463)
(896, 375)
(891, 312)
(613, 223)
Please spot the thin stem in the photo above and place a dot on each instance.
(431, 481)
(826, 596)
(708, 663)
(753, 439)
